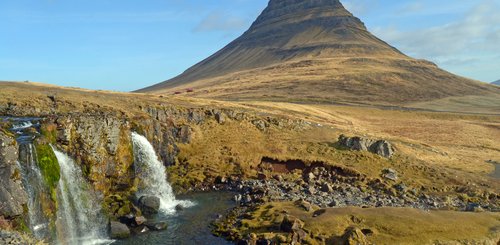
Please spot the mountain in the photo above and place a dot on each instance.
(316, 50)
(496, 82)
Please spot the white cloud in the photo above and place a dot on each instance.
(219, 21)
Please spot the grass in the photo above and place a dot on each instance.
(389, 225)
(49, 167)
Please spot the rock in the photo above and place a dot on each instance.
(304, 205)
(390, 174)
(290, 224)
(149, 204)
(354, 236)
(326, 188)
(185, 134)
(12, 194)
(220, 180)
(119, 230)
(140, 220)
(220, 118)
(474, 207)
(319, 212)
(237, 198)
(380, 147)
(156, 226)
(179, 207)
(298, 236)
(278, 178)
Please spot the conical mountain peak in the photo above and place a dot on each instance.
(315, 50)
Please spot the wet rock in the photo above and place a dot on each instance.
(156, 226)
(119, 230)
(149, 204)
(12, 194)
(140, 220)
(179, 207)
(290, 224)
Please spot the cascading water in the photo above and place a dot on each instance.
(79, 216)
(153, 175)
(38, 221)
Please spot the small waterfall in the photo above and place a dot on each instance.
(37, 190)
(80, 220)
(153, 175)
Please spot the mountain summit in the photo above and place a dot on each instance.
(316, 50)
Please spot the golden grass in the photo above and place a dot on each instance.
(389, 225)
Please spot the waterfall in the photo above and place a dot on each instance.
(37, 191)
(80, 220)
(153, 175)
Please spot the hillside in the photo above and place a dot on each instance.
(316, 51)
(496, 82)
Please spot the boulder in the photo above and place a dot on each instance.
(380, 147)
(156, 226)
(220, 118)
(390, 174)
(290, 224)
(354, 236)
(119, 230)
(304, 205)
(149, 204)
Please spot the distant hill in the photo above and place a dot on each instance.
(496, 83)
(303, 50)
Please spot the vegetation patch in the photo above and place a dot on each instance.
(49, 166)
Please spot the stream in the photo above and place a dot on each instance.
(191, 225)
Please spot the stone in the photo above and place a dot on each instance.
(319, 212)
(220, 118)
(140, 220)
(354, 236)
(118, 230)
(149, 204)
(390, 174)
(179, 207)
(380, 147)
(290, 223)
(220, 180)
(156, 226)
(12, 194)
(326, 188)
(304, 205)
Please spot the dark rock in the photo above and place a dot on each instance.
(290, 223)
(149, 204)
(156, 226)
(118, 230)
(220, 180)
(319, 212)
(179, 207)
(140, 220)
(326, 188)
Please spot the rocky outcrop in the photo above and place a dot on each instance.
(354, 236)
(15, 238)
(380, 147)
(12, 195)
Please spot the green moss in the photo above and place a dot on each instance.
(49, 167)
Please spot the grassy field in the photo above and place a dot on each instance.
(388, 225)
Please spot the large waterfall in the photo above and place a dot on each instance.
(153, 175)
(79, 217)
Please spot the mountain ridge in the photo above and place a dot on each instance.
(300, 50)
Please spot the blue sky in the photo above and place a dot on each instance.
(129, 44)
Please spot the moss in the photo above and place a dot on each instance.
(49, 166)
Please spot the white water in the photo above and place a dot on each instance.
(80, 220)
(22, 125)
(153, 175)
(36, 189)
